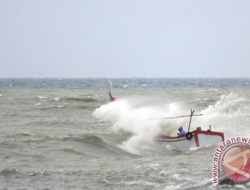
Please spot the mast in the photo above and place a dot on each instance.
(190, 120)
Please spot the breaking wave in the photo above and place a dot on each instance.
(228, 114)
(140, 121)
(96, 146)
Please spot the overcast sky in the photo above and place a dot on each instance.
(124, 38)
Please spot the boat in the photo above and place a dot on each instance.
(111, 97)
(195, 138)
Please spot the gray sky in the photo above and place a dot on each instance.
(125, 38)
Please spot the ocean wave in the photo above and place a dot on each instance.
(8, 172)
(127, 117)
(98, 146)
(80, 99)
(24, 134)
(42, 97)
(90, 139)
(228, 114)
(53, 107)
(56, 99)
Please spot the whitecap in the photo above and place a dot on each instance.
(206, 98)
(56, 99)
(42, 97)
(61, 106)
(135, 120)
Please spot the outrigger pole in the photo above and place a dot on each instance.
(176, 117)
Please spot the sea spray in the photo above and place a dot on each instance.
(143, 122)
(228, 115)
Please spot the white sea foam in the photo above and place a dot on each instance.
(142, 121)
(60, 106)
(227, 115)
(42, 97)
(56, 99)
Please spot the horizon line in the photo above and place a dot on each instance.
(124, 78)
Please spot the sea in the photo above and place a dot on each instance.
(65, 134)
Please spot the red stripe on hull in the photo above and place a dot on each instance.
(166, 138)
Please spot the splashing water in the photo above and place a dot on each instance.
(228, 114)
(134, 120)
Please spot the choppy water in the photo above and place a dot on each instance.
(63, 134)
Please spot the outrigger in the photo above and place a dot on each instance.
(195, 138)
